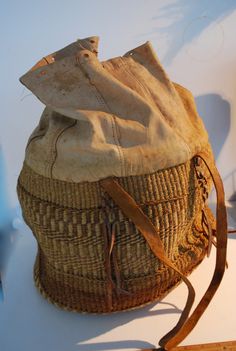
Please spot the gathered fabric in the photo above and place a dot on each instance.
(118, 117)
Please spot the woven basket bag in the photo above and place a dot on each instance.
(114, 184)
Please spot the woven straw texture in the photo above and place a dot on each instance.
(71, 222)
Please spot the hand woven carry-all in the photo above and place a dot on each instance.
(114, 184)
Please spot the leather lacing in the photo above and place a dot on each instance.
(208, 220)
(111, 264)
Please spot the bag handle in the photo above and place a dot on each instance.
(130, 208)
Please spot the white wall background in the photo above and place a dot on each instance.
(195, 40)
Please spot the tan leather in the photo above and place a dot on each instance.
(118, 117)
(147, 229)
(130, 208)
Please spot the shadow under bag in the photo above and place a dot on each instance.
(114, 184)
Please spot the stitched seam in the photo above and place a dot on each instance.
(116, 141)
(132, 75)
(138, 81)
(114, 126)
(162, 112)
(124, 66)
(93, 87)
(99, 97)
(101, 100)
(121, 153)
(38, 136)
(51, 152)
(119, 147)
(54, 149)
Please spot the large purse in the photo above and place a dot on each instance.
(115, 182)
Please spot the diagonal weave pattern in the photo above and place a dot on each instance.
(69, 222)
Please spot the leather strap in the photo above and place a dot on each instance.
(173, 338)
(130, 208)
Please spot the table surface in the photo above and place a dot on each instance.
(29, 322)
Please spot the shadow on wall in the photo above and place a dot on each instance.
(7, 215)
(231, 206)
(3, 193)
(216, 115)
(232, 178)
(174, 19)
(231, 210)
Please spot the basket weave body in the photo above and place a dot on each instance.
(69, 221)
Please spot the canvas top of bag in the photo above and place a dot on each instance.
(118, 117)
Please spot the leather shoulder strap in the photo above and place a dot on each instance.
(130, 208)
(173, 338)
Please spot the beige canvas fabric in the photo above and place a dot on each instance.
(118, 117)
